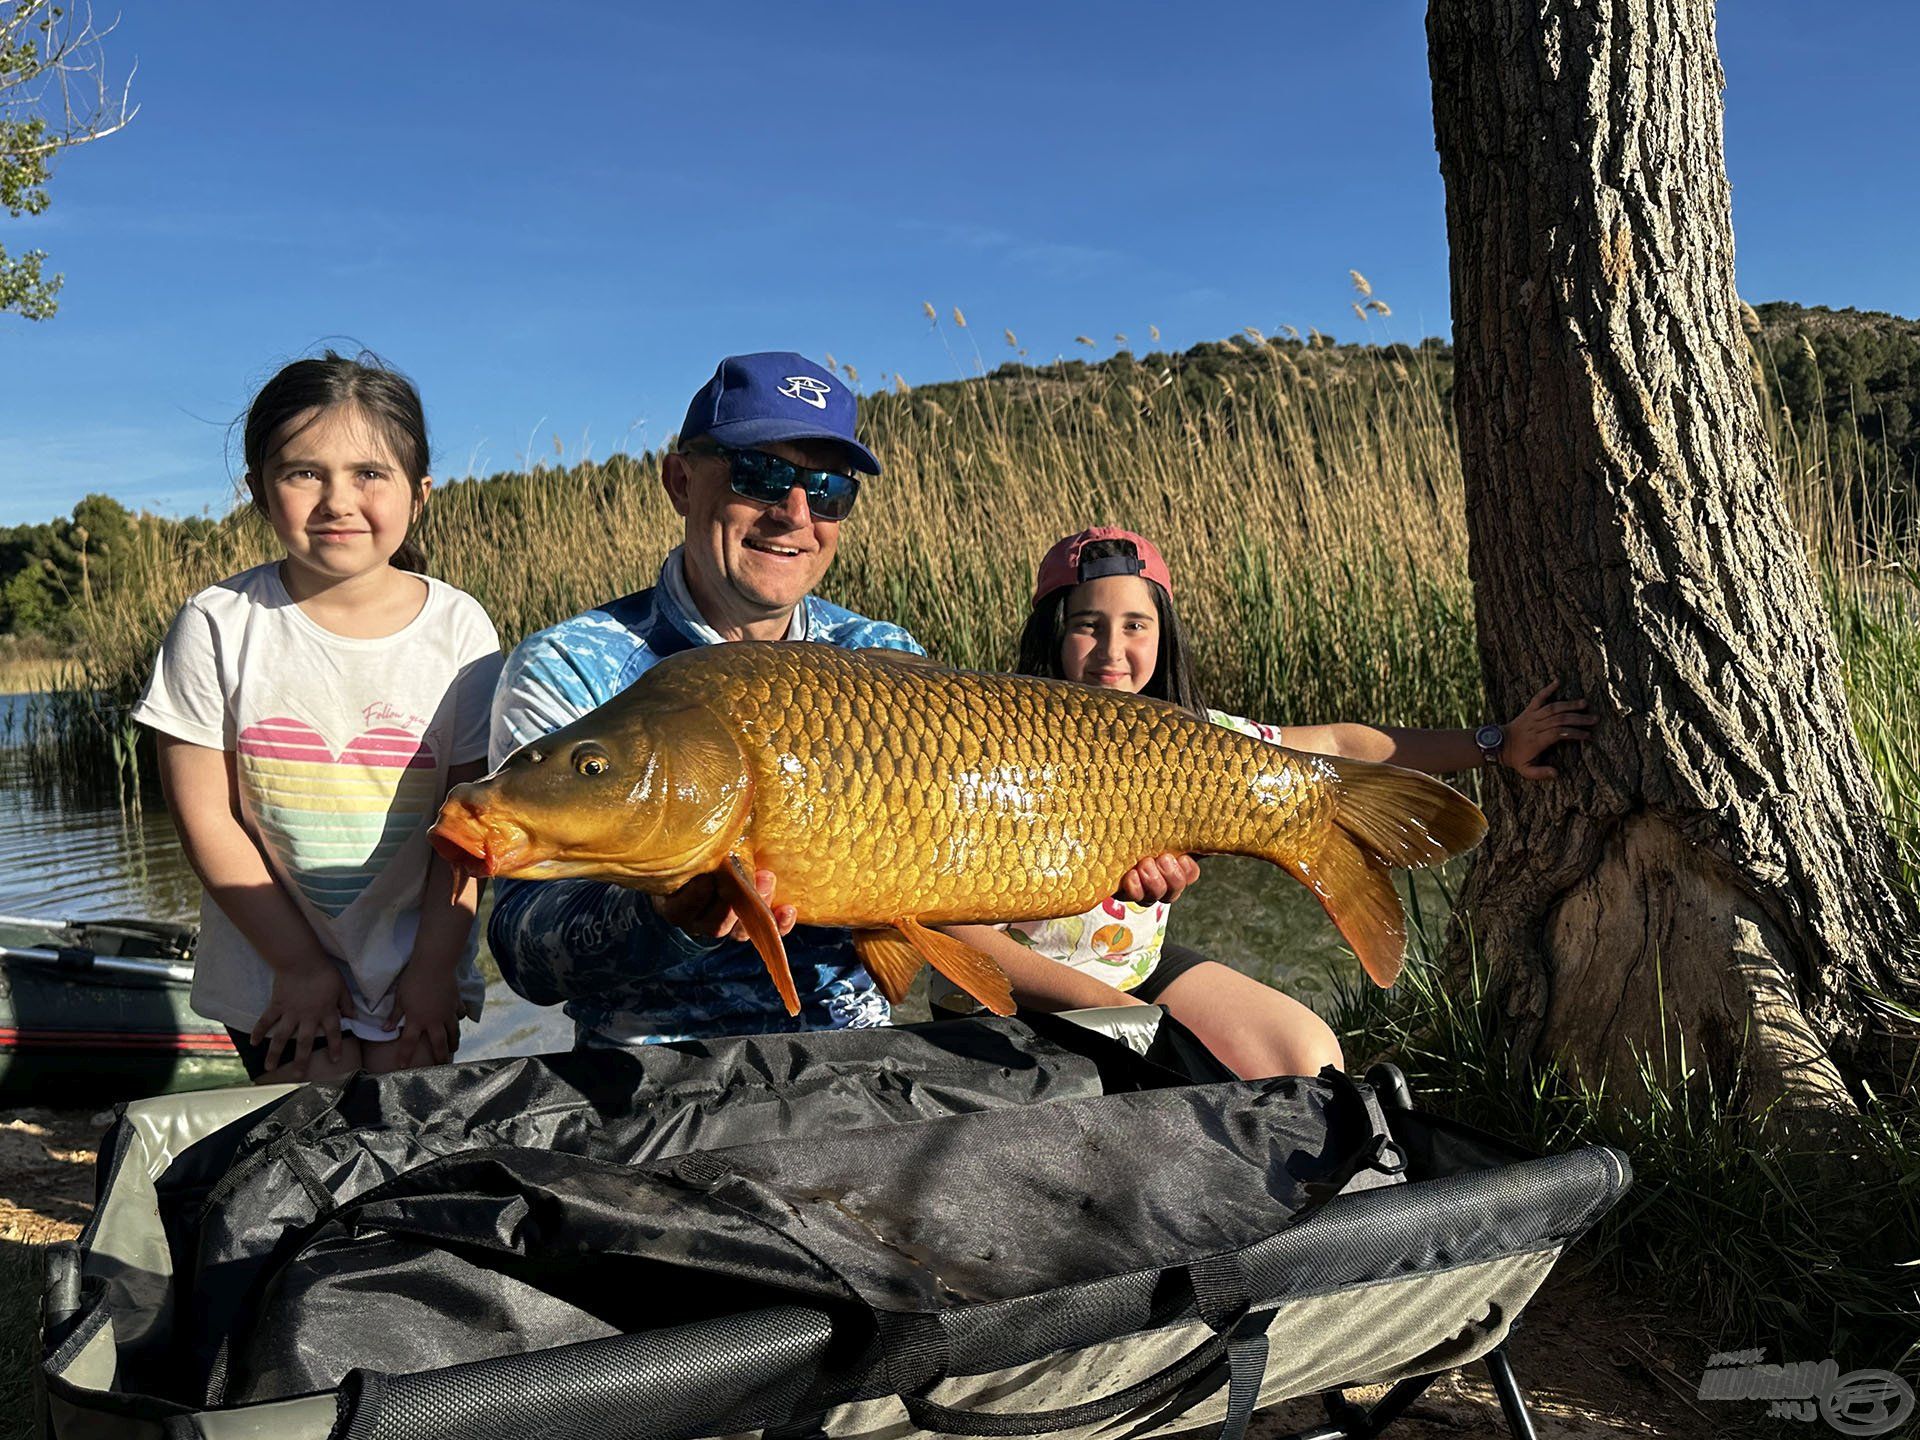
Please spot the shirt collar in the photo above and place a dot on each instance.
(686, 616)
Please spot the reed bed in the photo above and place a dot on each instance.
(1308, 499)
(1310, 508)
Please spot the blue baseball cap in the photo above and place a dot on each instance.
(775, 395)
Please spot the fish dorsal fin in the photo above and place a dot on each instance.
(762, 929)
(900, 657)
(889, 959)
(970, 969)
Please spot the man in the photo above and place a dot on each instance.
(765, 471)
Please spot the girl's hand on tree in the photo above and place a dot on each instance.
(306, 1004)
(426, 1002)
(1544, 722)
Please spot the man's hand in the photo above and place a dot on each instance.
(306, 1003)
(1159, 877)
(704, 907)
(426, 1002)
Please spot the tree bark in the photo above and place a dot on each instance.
(1710, 880)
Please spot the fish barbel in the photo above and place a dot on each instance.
(889, 794)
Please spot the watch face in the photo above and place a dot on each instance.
(1488, 737)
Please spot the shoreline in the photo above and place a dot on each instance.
(34, 677)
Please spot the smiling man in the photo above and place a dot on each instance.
(765, 470)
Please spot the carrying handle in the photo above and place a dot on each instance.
(945, 1420)
(917, 1358)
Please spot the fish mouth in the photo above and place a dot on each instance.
(476, 841)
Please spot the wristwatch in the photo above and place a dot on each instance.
(1490, 738)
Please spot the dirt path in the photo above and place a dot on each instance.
(1592, 1363)
(46, 1172)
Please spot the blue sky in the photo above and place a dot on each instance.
(556, 218)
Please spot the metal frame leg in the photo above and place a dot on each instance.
(1512, 1403)
(1348, 1421)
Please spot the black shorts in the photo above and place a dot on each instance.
(254, 1057)
(1174, 961)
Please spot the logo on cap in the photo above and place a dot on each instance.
(808, 389)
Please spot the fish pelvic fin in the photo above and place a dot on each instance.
(762, 929)
(970, 969)
(889, 959)
(1383, 817)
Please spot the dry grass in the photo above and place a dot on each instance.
(1308, 499)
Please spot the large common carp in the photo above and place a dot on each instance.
(888, 794)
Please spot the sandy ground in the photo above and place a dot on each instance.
(1591, 1362)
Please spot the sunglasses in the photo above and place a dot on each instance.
(768, 480)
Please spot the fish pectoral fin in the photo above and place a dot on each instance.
(970, 969)
(889, 959)
(1353, 886)
(762, 929)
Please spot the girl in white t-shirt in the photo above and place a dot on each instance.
(1103, 615)
(311, 715)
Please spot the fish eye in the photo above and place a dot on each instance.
(590, 760)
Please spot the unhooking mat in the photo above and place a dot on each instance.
(976, 1227)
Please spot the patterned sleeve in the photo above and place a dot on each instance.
(184, 698)
(543, 686)
(1260, 731)
(558, 940)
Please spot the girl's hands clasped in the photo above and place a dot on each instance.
(1544, 722)
(307, 1002)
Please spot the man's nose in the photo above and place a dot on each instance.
(794, 507)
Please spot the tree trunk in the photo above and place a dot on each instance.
(1711, 870)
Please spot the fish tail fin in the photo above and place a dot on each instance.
(970, 969)
(1383, 817)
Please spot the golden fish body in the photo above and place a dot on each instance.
(887, 793)
(884, 784)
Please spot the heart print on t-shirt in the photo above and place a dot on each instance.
(334, 820)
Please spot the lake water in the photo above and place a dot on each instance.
(65, 858)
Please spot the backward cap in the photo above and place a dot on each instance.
(1061, 566)
(774, 395)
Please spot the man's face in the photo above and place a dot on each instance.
(750, 564)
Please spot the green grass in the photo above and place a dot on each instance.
(20, 1271)
(1806, 1254)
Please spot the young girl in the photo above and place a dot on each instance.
(1103, 615)
(311, 715)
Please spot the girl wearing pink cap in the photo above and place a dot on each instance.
(1103, 614)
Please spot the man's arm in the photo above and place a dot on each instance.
(557, 940)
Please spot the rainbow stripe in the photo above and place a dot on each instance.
(335, 821)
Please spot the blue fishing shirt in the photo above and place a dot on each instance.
(627, 977)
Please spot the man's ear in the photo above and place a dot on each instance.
(673, 478)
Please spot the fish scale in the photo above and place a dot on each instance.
(1044, 802)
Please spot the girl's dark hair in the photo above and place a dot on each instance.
(385, 396)
(1046, 629)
